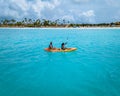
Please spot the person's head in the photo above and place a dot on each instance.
(63, 44)
(50, 42)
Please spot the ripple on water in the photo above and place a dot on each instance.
(27, 70)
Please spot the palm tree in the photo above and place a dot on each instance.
(19, 23)
(25, 20)
(23, 23)
(37, 23)
(64, 21)
(13, 21)
(30, 21)
(6, 22)
(46, 22)
(56, 22)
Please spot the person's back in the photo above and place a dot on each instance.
(50, 46)
(63, 46)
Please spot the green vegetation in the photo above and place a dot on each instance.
(48, 23)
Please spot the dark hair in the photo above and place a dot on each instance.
(62, 43)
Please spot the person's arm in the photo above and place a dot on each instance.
(65, 43)
(50, 46)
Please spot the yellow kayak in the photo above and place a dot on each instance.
(60, 50)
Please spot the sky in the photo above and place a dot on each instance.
(75, 11)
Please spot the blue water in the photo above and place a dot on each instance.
(92, 70)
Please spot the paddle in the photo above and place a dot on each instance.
(67, 41)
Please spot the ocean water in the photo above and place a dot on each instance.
(92, 70)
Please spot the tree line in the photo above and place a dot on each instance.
(48, 23)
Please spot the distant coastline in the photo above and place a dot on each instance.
(29, 23)
(59, 27)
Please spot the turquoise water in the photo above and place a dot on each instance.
(92, 70)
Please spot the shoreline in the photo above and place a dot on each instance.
(59, 28)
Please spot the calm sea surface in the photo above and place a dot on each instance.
(92, 70)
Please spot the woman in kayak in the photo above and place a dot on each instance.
(63, 46)
(50, 45)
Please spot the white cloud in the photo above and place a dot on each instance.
(38, 6)
(13, 8)
(71, 10)
(80, 1)
(22, 4)
(115, 3)
(89, 13)
(87, 16)
(24, 8)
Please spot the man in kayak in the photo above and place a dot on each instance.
(50, 45)
(63, 46)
